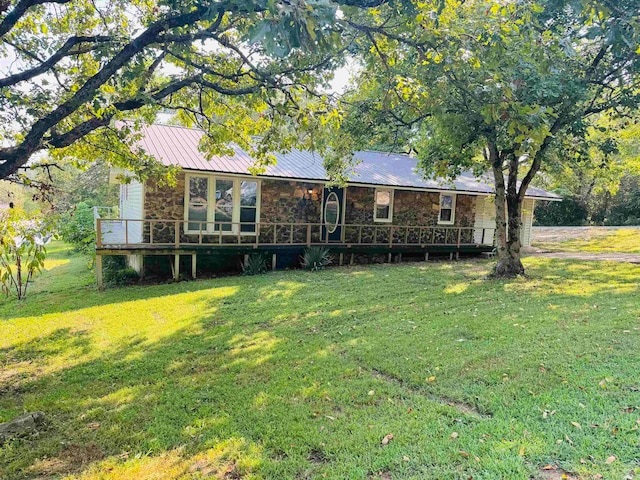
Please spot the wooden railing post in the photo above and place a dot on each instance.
(308, 235)
(98, 233)
(126, 232)
(275, 228)
(177, 227)
(390, 237)
(291, 235)
(459, 235)
(151, 232)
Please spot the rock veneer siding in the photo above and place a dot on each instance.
(287, 206)
(290, 203)
(281, 201)
(415, 208)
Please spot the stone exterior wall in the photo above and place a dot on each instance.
(163, 203)
(416, 208)
(280, 202)
(292, 202)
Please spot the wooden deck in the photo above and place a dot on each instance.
(171, 237)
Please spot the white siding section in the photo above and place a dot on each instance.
(131, 207)
(527, 221)
(485, 220)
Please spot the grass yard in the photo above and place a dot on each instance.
(301, 375)
(622, 240)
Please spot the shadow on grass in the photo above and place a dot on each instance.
(273, 376)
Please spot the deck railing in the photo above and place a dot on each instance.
(123, 233)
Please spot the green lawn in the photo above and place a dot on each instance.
(301, 375)
(624, 240)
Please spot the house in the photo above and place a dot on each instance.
(386, 208)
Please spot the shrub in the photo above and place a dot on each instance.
(23, 243)
(77, 228)
(115, 271)
(316, 258)
(255, 264)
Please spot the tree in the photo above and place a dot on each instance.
(238, 68)
(492, 86)
(590, 171)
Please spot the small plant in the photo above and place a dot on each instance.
(255, 264)
(316, 258)
(117, 272)
(22, 251)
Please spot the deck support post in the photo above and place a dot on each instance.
(389, 258)
(99, 271)
(399, 258)
(426, 256)
(458, 255)
(341, 261)
(451, 256)
(273, 261)
(193, 265)
(352, 259)
(176, 267)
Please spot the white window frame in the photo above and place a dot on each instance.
(375, 205)
(453, 209)
(211, 202)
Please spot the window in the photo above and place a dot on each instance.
(332, 212)
(226, 205)
(383, 209)
(447, 209)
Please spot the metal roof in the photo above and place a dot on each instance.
(179, 146)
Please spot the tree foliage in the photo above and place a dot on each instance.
(236, 68)
(492, 86)
(23, 243)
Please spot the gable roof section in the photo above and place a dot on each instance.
(178, 146)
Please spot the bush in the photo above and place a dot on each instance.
(568, 212)
(23, 243)
(77, 228)
(316, 258)
(255, 264)
(115, 271)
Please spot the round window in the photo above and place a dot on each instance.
(332, 212)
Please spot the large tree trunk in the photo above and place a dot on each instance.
(508, 218)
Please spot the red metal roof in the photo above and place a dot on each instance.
(179, 146)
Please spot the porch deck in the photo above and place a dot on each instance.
(178, 237)
(174, 235)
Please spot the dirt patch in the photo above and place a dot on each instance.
(317, 456)
(551, 472)
(462, 407)
(72, 459)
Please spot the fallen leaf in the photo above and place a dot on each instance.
(464, 454)
(577, 425)
(431, 379)
(611, 459)
(454, 435)
(371, 392)
(521, 451)
(329, 417)
(405, 458)
(387, 439)
(93, 425)
(549, 467)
